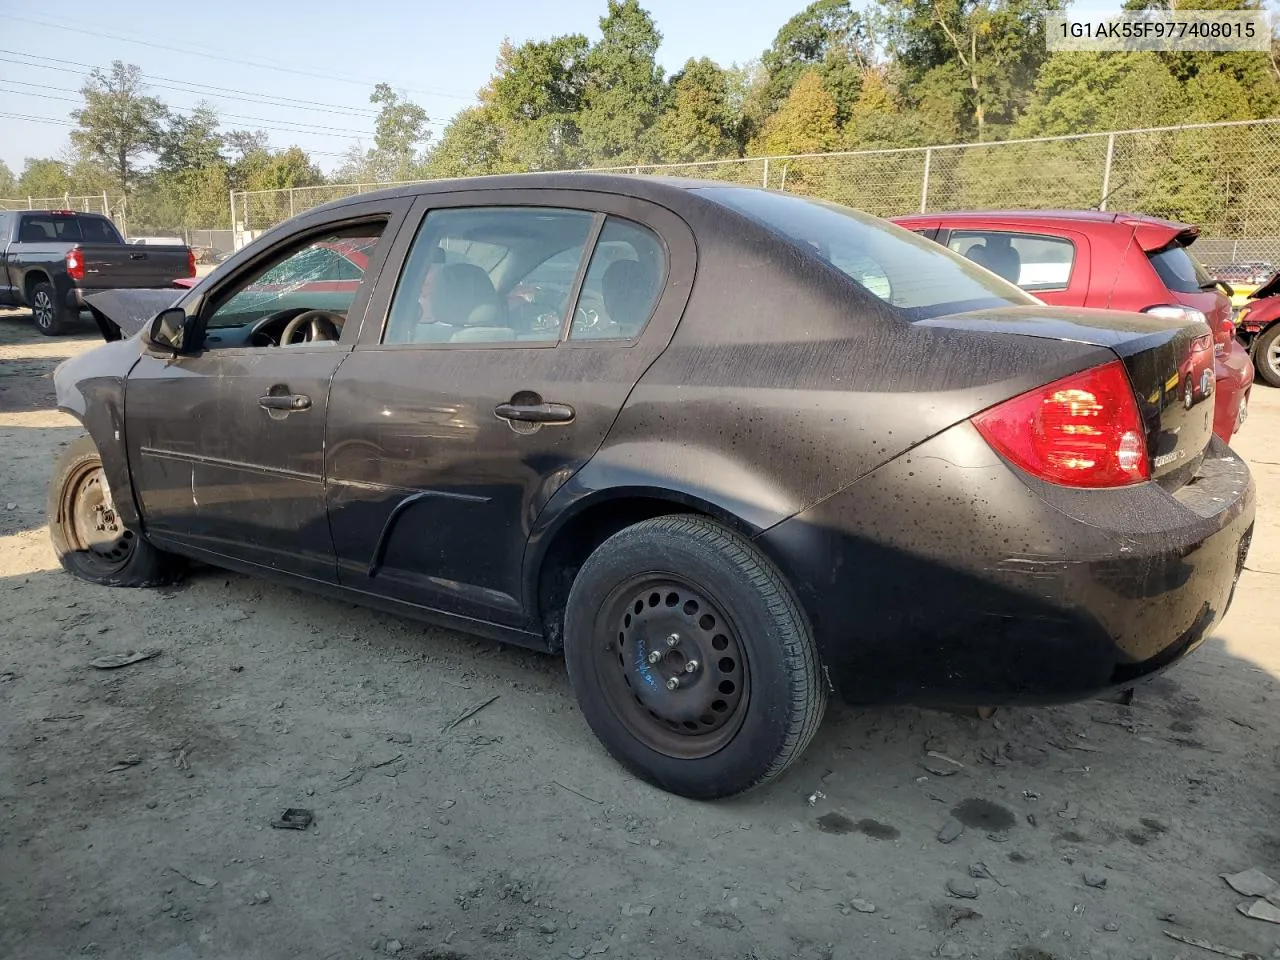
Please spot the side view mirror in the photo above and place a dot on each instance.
(171, 331)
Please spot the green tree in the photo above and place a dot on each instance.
(624, 93)
(44, 177)
(190, 141)
(471, 145)
(1075, 93)
(533, 102)
(241, 143)
(8, 182)
(981, 54)
(805, 123)
(700, 123)
(119, 124)
(399, 132)
(828, 35)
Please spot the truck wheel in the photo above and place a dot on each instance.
(88, 536)
(691, 659)
(50, 314)
(1266, 355)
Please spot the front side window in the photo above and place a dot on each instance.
(1032, 261)
(920, 278)
(324, 274)
(627, 272)
(489, 275)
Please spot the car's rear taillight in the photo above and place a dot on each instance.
(1081, 431)
(1175, 312)
(75, 263)
(191, 263)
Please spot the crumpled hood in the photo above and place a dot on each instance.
(131, 310)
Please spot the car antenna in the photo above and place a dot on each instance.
(1102, 204)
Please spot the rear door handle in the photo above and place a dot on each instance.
(137, 256)
(289, 402)
(535, 412)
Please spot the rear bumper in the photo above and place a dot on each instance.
(946, 577)
(1233, 375)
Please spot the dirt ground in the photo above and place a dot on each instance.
(136, 804)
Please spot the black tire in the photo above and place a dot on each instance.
(50, 314)
(693, 579)
(88, 536)
(1266, 355)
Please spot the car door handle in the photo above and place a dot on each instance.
(288, 402)
(137, 256)
(535, 412)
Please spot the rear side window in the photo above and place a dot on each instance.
(627, 272)
(98, 230)
(1033, 261)
(920, 278)
(1180, 271)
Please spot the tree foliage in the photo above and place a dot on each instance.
(624, 93)
(119, 123)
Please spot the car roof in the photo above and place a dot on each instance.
(627, 184)
(1045, 216)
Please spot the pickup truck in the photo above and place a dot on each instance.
(50, 260)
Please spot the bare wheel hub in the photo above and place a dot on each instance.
(95, 526)
(678, 668)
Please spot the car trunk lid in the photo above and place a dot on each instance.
(1165, 358)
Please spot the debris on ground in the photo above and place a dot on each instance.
(1212, 947)
(815, 797)
(862, 906)
(468, 713)
(195, 877)
(950, 951)
(980, 871)
(113, 661)
(963, 889)
(956, 914)
(262, 896)
(1252, 883)
(125, 763)
(940, 765)
(950, 831)
(636, 910)
(392, 947)
(294, 818)
(1260, 910)
(1094, 879)
(1069, 811)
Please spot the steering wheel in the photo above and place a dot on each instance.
(320, 325)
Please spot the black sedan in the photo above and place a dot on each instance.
(727, 451)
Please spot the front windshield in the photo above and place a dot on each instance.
(919, 277)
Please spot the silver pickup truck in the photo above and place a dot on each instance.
(50, 260)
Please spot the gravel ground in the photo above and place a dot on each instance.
(135, 804)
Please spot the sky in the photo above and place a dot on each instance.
(324, 53)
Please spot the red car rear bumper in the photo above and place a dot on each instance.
(1234, 378)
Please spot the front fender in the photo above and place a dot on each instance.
(91, 388)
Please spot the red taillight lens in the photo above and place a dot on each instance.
(75, 263)
(191, 263)
(1081, 431)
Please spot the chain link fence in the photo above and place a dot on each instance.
(95, 203)
(1224, 177)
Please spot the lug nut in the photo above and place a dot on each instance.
(673, 683)
(673, 639)
(691, 666)
(655, 656)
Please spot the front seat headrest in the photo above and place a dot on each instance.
(463, 296)
(627, 289)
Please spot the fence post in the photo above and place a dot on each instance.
(924, 183)
(765, 181)
(30, 205)
(1106, 171)
(106, 206)
(291, 203)
(231, 196)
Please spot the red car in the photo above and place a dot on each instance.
(1117, 261)
(1259, 326)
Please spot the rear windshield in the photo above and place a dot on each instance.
(921, 278)
(52, 228)
(1180, 271)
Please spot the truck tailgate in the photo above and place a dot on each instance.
(132, 266)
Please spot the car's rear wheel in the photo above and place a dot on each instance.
(51, 317)
(691, 658)
(1266, 355)
(89, 537)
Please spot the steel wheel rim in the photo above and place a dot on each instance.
(636, 660)
(1273, 356)
(42, 307)
(92, 525)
